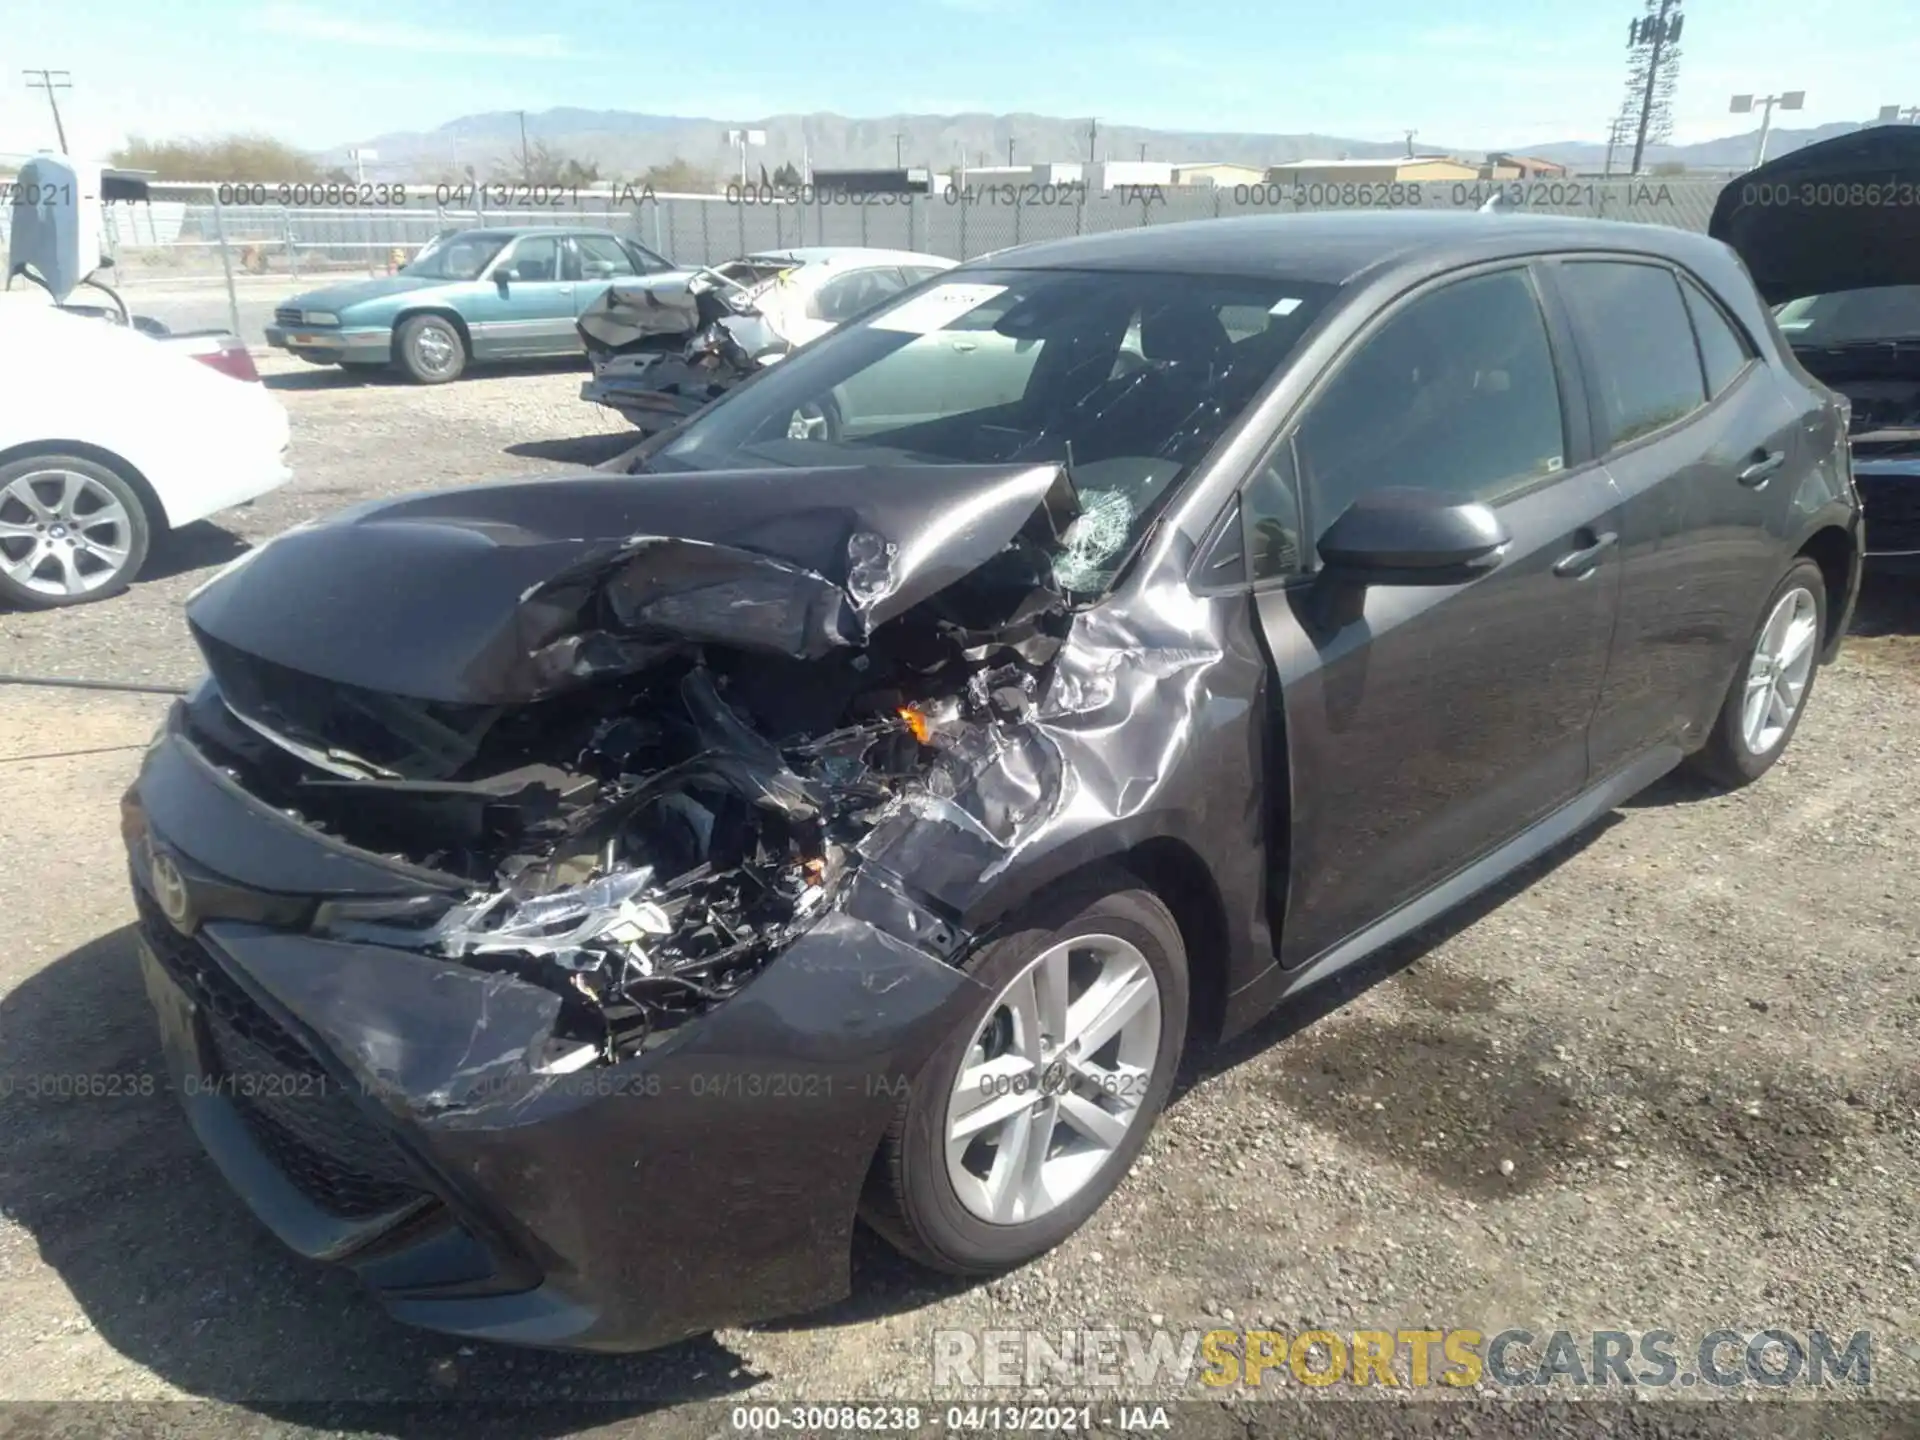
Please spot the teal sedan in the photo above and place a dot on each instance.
(503, 294)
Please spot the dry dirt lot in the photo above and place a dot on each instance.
(1667, 1079)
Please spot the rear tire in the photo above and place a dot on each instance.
(1769, 691)
(430, 349)
(930, 1197)
(71, 531)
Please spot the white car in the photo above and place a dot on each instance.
(108, 439)
(655, 345)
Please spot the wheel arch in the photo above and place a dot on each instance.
(157, 522)
(1172, 869)
(1831, 548)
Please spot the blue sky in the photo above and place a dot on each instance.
(1464, 72)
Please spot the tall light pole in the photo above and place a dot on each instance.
(899, 158)
(1894, 115)
(1655, 36)
(1745, 104)
(50, 81)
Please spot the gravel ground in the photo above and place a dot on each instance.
(1666, 1079)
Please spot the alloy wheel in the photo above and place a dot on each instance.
(63, 533)
(1053, 1080)
(435, 349)
(1782, 665)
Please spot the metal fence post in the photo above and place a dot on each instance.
(740, 217)
(226, 261)
(963, 255)
(293, 253)
(706, 242)
(659, 245)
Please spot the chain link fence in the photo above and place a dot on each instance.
(222, 232)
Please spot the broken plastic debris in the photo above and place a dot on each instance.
(560, 925)
(869, 567)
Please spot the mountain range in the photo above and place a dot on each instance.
(624, 142)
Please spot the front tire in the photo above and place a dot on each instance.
(430, 349)
(1024, 1121)
(71, 531)
(1769, 691)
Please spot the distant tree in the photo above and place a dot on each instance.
(232, 158)
(680, 176)
(542, 164)
(787, 177)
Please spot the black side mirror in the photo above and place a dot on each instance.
(1409, 536)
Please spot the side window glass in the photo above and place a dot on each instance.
(601, 258)
(1455, 393)
(1270, 519)
(842, 299)
(537, 258)
(1636, 325)
(1723, 350)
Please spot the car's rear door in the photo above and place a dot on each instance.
(1427, 723)
(1703, 443)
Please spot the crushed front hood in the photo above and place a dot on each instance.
(509, 592)
(1840, 215)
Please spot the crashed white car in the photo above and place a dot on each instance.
(110, 437)
(663, 347)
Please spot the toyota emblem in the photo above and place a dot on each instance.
(170, 890)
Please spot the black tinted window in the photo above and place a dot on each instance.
(1722, 350)
(1455, 393)
(1642, 342)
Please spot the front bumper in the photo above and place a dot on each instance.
(330, 347)
(1890, 500)
(374, 1106)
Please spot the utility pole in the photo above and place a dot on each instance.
(1143, 154)
(1009, 153)
(1658, 30)
(1410, 134)
(1616, 132)
(50, 81)
(899, 139)
(1093, 134)
(526, 162)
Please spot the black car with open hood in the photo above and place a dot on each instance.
(1831, 234)
(573, 902)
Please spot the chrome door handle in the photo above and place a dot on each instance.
(1761, 470)
(1577, 564)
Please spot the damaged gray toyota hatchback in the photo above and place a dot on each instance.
(572, 902)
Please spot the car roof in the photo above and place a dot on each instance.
(514, 232)
(847, 255)
(1333, 248)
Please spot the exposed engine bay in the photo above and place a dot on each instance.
(641, 834)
